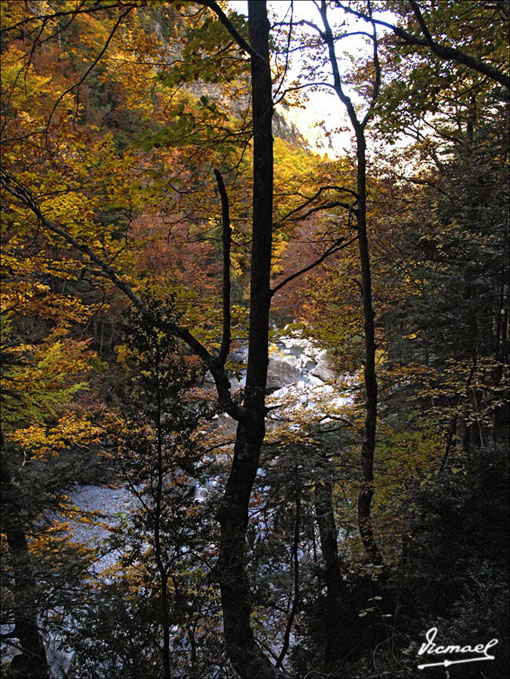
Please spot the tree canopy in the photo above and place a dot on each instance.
(289, 370)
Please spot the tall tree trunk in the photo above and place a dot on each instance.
(243, 652)
(162, 568)
(337, 599)
(368, 446)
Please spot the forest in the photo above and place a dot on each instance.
(254, 339)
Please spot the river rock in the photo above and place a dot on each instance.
(281, 372)
(324, 370)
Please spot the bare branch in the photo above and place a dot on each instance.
(337, 245)
(442, 51)
(328, 38)
(244, 44)
(227, 240)
(89, 69)
(312, 198)
(21, 193)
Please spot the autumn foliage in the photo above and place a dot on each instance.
(132, 161)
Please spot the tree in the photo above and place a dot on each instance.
(233, 515)
(244, 653)
(358, 125)
(126, 181)
(453, 33)
(155, 601)
(39, 393)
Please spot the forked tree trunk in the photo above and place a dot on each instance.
(245, 655)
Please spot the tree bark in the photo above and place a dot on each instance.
(162, 568)
(368, 446)
(246, 657)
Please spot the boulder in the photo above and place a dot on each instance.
(307, 363)
(292, 345)
(324, 370)
(281, 372)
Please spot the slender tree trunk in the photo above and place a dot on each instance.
(297, 584)
(163, 571)
(368, 446)
(337, 600)
(366, 492)
(166, 625)
(243, 652)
